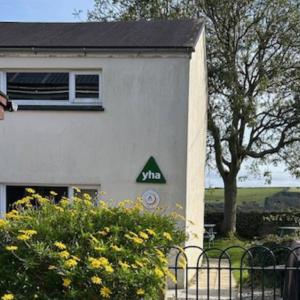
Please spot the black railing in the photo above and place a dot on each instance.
(236, 273)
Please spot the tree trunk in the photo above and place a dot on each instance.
(230, 193)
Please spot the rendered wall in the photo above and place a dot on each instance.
(145, 100)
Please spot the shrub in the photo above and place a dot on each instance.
(256, 224)
(83, 249)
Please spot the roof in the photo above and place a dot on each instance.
(161, 34)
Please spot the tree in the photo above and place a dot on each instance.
(253, 66)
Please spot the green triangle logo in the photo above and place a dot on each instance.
(151, 173)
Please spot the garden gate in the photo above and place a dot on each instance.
(236, 273)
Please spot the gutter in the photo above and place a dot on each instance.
(86, 50)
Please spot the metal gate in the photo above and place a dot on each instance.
(236, 273)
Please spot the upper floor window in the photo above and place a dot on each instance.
(52, 87)
(37, 86)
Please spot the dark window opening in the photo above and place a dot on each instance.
(37, 86)
(15, 193)
(86, 86)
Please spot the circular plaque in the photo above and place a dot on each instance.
(150, 199)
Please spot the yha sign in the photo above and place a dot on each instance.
(151, 173)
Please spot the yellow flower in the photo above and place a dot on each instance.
(71, 263)
(96, 280)
(105, 292)
(140, 264)
(53, 193)
(87, 196)
(23, 237)
(143, 235)
(76, 189)
(109, 269)
(29, 232)
(182, 262)
(140, 292)
(100, 249)
(60, 245)
(171, 276)
(11, 248)
(138, 240)
(179, 206)
(3, 223)
(94, 263)
(64, 254)
(30, 191)
(13, 214)
(60, 209)
(158, 272)
(124, 265)
(168, 236)
(76, 258)
(102, 232)
(66, 282)
(8, 297)
(116, 248)
(151, 232)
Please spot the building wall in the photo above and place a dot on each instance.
(196, 145)
(145, 100)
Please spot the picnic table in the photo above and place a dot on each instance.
(209, 233)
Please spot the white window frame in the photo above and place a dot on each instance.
(92, 187)
(72, 90)
(2, 200)
(72, 99)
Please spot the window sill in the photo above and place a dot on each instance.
(61, 107)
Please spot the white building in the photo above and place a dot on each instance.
(96, 101)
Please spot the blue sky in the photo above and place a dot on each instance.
(43, 10)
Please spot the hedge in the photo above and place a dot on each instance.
(254, 224)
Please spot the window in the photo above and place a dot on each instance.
(86, 86)
(9, 194)
(52, 87)
(93, 191)
(37, 86)
(15, 193)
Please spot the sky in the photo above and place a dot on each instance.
(43, 10)
(62, 11)
(280, 178)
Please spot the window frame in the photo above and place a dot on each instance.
(72, 88)
(72, 85)
(3, 196)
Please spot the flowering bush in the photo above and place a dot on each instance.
(81, 248)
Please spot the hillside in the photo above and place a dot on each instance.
(245, 195)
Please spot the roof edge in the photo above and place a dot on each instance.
(99, 50)
(199, 33)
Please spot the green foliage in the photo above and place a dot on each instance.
(81, 248)
(256, 224)
(253, 58)
(110, 10)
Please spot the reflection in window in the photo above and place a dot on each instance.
(37, 86)
(86, 86)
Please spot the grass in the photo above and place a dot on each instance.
(245, 194)
(234, 253)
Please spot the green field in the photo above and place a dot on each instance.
(246, 194)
